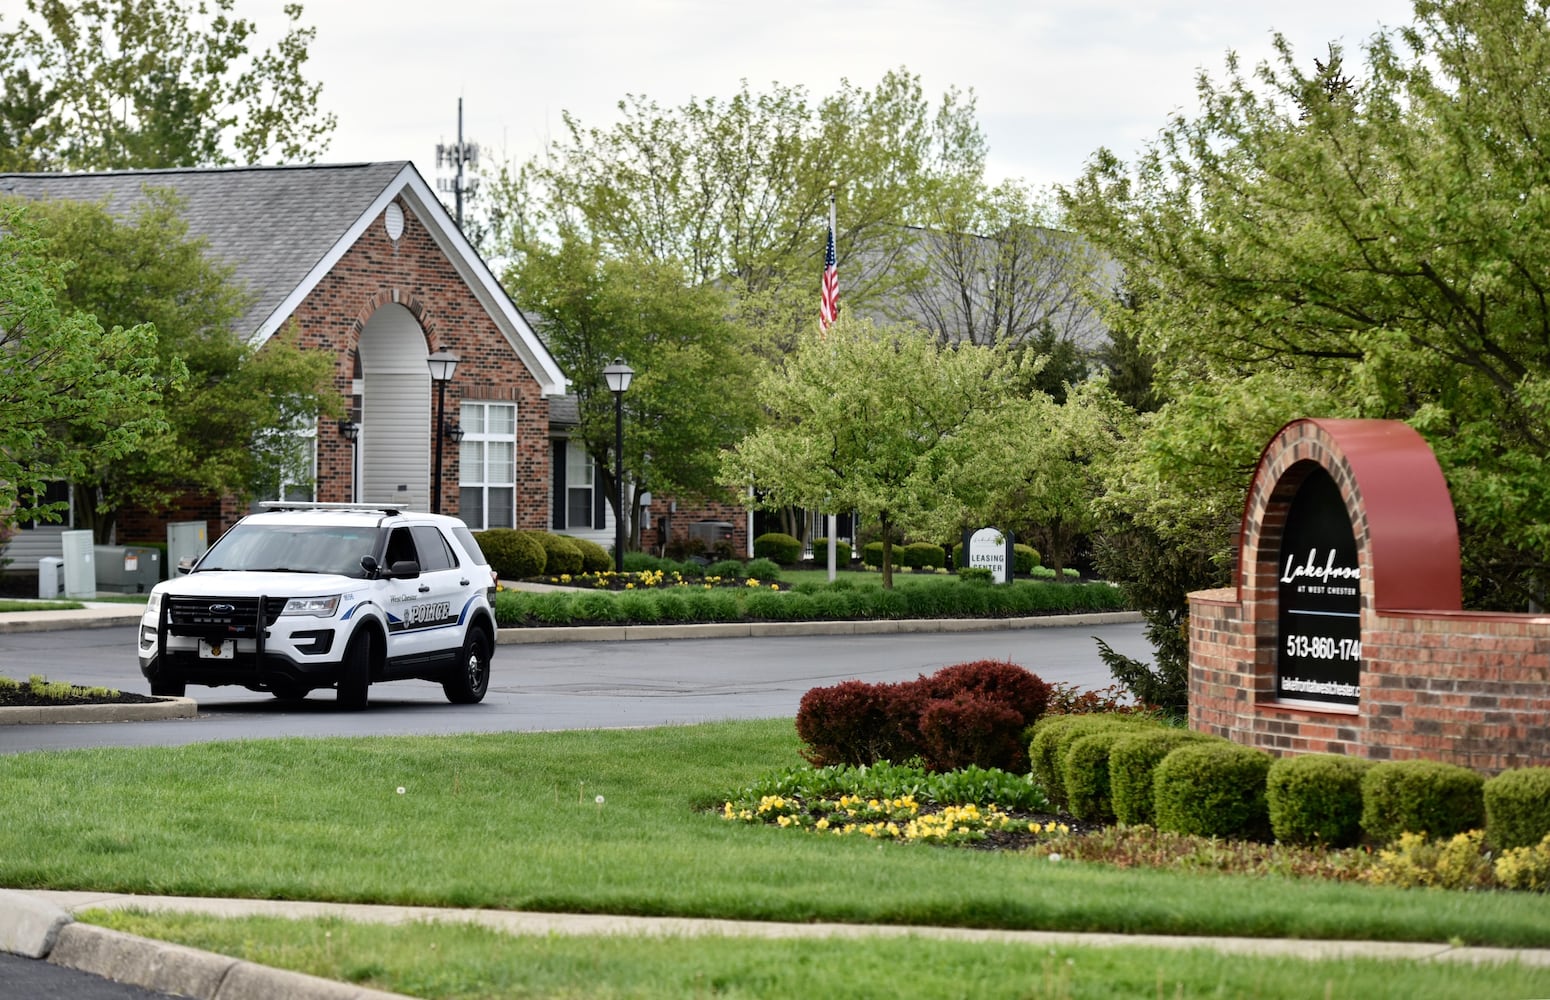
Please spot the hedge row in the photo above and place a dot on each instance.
(948, 598)
(518, 554)
(1131, 769)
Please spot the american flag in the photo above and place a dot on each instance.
(829, 304)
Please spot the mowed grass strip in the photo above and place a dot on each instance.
(513, 821)
(462, 962)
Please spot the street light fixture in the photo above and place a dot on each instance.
(443, 364)
(350, 430)
(618, 376)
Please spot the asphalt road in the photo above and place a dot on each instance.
(566, 685)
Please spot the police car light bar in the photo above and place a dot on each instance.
(389, 509)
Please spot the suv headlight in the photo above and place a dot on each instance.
(318, 607)
(153, 603)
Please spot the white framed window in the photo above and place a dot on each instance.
(580, 487)
(487, 465)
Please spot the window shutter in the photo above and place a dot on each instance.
(599, 500)
(557, 477)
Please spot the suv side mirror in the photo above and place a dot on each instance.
(405, 569)
(369, 565)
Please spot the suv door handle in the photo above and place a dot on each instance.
(425, 588)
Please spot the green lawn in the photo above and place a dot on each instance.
(514, 821)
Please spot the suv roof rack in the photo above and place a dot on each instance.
(384, 508)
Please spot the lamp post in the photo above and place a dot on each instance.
(351, 431)
(443, 364)
(618, 376)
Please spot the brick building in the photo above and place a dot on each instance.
(362, 260)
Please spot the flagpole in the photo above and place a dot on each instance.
(833, 525)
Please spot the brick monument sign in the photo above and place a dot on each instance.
(1346, 631)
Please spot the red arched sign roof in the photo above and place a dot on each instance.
(1402, 512)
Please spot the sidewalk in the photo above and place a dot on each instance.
(39, 924)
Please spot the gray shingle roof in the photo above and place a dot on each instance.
(272, 224)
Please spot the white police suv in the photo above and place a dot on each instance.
(314, 595)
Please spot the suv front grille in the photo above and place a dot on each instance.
(221, 617)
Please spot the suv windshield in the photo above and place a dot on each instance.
(292, 548)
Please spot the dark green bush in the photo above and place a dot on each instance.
(515, 555)
(595, 608)
(1420, 796)
(1213, 789)
(1052, 738)
(821, 552)
(872, 555)
(727, 569)
(594, 558)
(922, 555)
(1316, 799)
(1087, 774)
(781, 548)
(765, 570)
(1024, 558)
(1132, 761)
(1517, 807)
(563, 557)
(637, 606)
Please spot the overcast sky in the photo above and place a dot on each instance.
(1054, 79)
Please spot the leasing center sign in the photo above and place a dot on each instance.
(1319, 647)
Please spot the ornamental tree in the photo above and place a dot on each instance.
(870, 419)
(1322, 240)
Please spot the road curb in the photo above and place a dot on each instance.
(33, 715)
(744, 630)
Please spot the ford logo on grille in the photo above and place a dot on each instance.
(222, 609)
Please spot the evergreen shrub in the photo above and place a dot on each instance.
(727, 569)
(564, 558)
(1316, 799)
(1517, 807)
(1213, 789)
(1087, 776)
(1429, 797)
(1052, 738)
(821, 552)
(762, 569)
(594, 558)
(922, 555)
(515, 555)
(872, 555)
(1024, 558)
(780, 547)
(1132, 761)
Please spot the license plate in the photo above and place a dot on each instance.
(218, 650)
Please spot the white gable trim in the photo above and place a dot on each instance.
(470, 266)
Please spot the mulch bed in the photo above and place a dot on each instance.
(24, 698)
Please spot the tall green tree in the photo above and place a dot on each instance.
(219, 422)
(112, 84)
(692, 391)
(1372, 240)
(737, 191)
(873, 420)
(64, 374)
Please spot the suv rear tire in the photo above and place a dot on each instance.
(468, 681)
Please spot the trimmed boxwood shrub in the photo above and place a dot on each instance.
(1052, 738)
(1024, 558)
(563, 557)
(1420, 796)
(782, 548)
(922, 555)
(1517, 807)
(1088, 780)
(1213, 789)
(594, 558)
(762, 569)
(1133, 759)
(872, 555)
(515, 555)
(1316, 799)
(821, 552)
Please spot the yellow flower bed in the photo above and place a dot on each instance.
(900, 819)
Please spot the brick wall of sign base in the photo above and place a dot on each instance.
(1436, 682)
(1464, 687)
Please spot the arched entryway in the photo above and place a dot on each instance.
(395, 441)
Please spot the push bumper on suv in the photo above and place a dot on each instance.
(237, 640)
